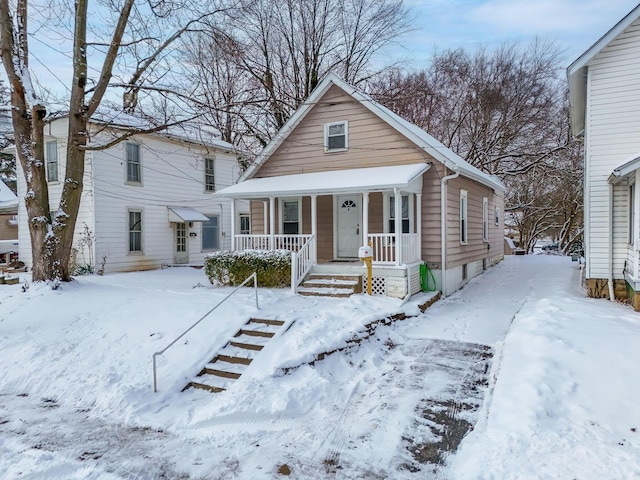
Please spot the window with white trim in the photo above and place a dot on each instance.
(209, 177)
(135, 231)
(485, 219)
(134, 168)
(211, 233)
(51, 154)
(406, 227)
(632, 211)
(291, 216)
(245, 224)
(497, 215)
(463, 217)
(336, 136)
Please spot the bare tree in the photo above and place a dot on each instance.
(505, 112)
(279, 51)
(133, 53)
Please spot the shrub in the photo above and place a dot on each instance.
(273, 267)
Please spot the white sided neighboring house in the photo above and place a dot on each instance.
(344, 172)
(147, 202)
(604, 87)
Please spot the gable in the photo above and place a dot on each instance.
(372, 141)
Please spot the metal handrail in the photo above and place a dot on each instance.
(255, 287)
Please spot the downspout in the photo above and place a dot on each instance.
(610, 279)
(443, 228)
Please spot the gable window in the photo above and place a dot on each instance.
(211, 233)
(291, 217)
(463, 217)
(406, 227)
(497, 215)
(52, 161)
(135, 230)
(485, 219)
(336, 136)
(245, 224)
(134, 171)
(209, 177)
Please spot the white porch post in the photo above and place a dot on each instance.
(272, 223)
(233, 224)
(398, 225)
(314, 228)
(419, 223)
(365, 218)
(265, 215)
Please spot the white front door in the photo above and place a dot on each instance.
(181, 251)
(348, 226)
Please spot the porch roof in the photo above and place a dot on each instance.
(407, 178)
(628, 166)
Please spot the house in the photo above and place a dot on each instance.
(604, 87)
(345, 171)
(147, 201)
(8, 223)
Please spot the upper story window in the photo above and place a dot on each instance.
(336, 136)
(463, 217)
(209, 177)
(134, 168)
(51, 154)
(497, 216)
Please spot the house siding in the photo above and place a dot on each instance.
(172, 175)
(612, 134)
(372, 142)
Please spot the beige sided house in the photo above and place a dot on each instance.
(604, 85)
(345, 171)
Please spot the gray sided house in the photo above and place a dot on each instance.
(604, 87)
(345, 171)
(148, 201)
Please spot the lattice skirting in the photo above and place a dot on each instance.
(414, 283)
(378, 285)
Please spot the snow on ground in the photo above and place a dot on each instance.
(76, 398)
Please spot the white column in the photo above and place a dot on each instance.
(272, 223)
(314, 228)
(398, 225)
(419, 223)
(233, 224)
(365, 218)
(265, 215)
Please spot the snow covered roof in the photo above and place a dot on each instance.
(408, 178)
(186, 214)
(577, 71)
(8, 199)
(629, 165)
(186, 132)
(415, 134)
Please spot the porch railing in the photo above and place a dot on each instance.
(293, 243)
(384, 248)
(301, 262)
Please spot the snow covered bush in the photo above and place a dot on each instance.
(232, 268)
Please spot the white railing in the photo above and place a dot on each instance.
(253, 277)
(384, 248)
(293, 243)
(301, 262)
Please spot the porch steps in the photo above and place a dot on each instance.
(331, 285)
(234, 358)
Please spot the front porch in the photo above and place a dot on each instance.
(323, 221)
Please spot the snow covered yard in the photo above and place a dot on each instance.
(76, 398)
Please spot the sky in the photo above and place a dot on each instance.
(574, 24)
(441, 24)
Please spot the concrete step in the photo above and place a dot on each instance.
(334, 276)
(330, 282)
(325, 292)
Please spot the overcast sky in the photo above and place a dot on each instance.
(574, 24)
